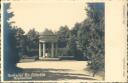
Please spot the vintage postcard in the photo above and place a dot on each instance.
(63, 41)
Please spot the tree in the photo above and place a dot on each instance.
(9, 51)
(96, 39)
(75, 29)
(7, 29)
(90, 37)
(32, 42)
(19, 41)
(72, 43)
(62, 36)
(83, 36)
(95, 11)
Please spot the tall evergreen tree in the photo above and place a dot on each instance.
(9, 51)
(91, 37)
(96, 43)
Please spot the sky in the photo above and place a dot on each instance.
(49, 14)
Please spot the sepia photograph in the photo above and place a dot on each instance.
(53, 41)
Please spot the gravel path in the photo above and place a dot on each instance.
(58, 70)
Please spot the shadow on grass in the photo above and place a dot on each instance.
(52, 75)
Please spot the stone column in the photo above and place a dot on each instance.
(52, 49)
(39, 50)
(56, 48)
(43, 49)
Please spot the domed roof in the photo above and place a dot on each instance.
(48, 36)
(46, 33)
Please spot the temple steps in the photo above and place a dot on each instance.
(50, 59)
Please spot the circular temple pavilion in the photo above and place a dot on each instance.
(47, 44)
